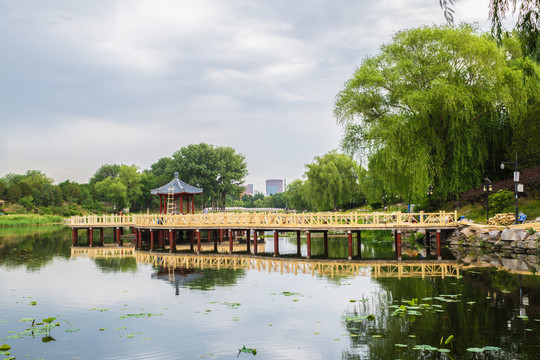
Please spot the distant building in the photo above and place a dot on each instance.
(274, 186)
(248, 189)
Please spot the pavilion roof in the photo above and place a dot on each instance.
(178, 187)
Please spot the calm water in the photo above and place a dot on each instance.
(115, 308)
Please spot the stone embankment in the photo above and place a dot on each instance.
(514, 239)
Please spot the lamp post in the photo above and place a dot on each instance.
(516, 180)
(429, 193)
(487, 189)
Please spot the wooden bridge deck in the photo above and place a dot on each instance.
(373, 268)
(281, 222)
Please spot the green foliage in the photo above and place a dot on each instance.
(501, 200)
(331, 181)
(3, 190)
(435, 106)
(27, 202)
(220, 171)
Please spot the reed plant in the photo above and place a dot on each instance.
(29, 219)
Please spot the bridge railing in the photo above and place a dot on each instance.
(269, 220)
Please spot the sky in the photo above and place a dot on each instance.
(87, 83)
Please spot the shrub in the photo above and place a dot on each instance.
(501, 200)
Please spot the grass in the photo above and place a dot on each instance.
(30, 219)
(477, 212)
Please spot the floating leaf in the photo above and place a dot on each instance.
(140, 315)
(371, 317)
(443, 350)
(47, 339)
(476, 349)
(246, 350)
(5, 347)
(492, 348)
(400, 345)
(72, 330)
(33, 303)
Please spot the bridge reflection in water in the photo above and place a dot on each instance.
(331, 268)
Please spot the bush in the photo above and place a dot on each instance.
(27, 202)
(501, 201)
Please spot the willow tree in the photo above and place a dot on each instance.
(332, 181)
(434, 107)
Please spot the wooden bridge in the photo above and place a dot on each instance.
(331, 268)
(167, 228)
(273, 221)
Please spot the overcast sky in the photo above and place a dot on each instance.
(87, 83)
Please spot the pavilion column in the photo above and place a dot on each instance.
(74, 238)
(308, 235)
(198, 241)
(231, 240)
(298, 252)
(191, 240)
(101, 236)
(160, 204)
(276, 243)
(181, 204)
(439, 257)
(359, 243)
(215, 236)
(192, 204)
(325, 243)
(398, 244)
(90, 237)
(255, 240)
(349, 238)
(151, 240)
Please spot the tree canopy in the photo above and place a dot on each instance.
(435, 107)
(220, 171)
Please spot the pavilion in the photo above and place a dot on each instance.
(170, 193)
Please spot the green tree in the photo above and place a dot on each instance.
(3, 190)
(14, 193)
(220, 171)
(331, 180)
(131, 178)
(105, 171)
(297, 195)
(71, 191)
(435, 106)
(113, 190)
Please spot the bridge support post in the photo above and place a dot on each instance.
(231, 240)
(349, 238)
(276, 243)
(152, 240)
(115, 236)
(398, 244)
(221, 236)
(427, 243)
(255, 240)
(298, 252)
(359, 244)
(439, 257)
(90, 237)
(198, 241)
(248, 242)
(308, 235)
(101, 236)
(325, 243)
(191, 240)
(215, 236)
(172, 241)
(74, 237)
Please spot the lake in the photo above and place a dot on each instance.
(113, 307)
